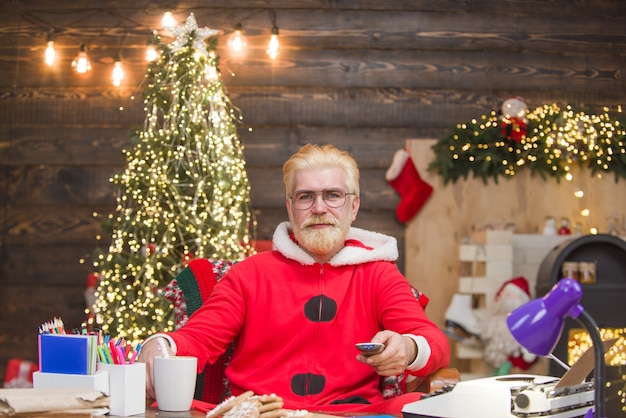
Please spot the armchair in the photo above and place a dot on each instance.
(194, 284)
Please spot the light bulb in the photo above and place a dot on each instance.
(81, 63)
(211, 72)
(237, 41)
(151, 53)
(272, 48)
(118, 73)
(51, 54)
(168, 20)
(210, 69)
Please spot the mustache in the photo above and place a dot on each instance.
(320, 220)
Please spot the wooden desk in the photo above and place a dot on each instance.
(155, 413)
(152, 412)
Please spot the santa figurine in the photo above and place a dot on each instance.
(514, 124)
(501, 350)
(564, 228)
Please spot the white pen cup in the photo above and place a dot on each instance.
(127, 388)
(174, 382)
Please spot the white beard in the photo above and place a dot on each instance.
(318, 241)
(321, 241)
(498, 341)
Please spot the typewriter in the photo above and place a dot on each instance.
(516, 396)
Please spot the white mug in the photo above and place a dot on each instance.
(174, 382)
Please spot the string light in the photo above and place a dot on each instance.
(151, 53)
(272, 48)
(118, 73)
(168, 20)
(81, 63)
(50, 55)
(237, 41)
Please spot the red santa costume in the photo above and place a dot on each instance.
(296, 322)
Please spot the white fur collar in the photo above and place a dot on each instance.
(381, 247)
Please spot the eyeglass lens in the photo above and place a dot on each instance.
(332, 198)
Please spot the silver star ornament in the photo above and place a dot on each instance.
(191, 31)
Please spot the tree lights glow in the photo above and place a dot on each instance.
(184, 192)
(553, 140)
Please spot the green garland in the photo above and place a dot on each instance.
(551, 141)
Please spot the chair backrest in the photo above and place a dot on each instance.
(188, 291)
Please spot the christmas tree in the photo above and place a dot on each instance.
(184, 192)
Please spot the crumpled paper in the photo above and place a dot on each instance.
(26, 402)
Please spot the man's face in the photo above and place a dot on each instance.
(321, 230)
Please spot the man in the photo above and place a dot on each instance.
(298, 311)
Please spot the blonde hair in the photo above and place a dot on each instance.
(325, 156)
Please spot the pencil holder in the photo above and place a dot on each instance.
(98, 380)
(127, 388)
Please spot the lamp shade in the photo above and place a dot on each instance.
(538, 324)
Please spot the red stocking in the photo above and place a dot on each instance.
(404, 178)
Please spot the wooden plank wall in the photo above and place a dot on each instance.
(362, 74)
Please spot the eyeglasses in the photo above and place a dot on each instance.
(332, 198)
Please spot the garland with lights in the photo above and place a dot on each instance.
(184, 192)
(548, 141)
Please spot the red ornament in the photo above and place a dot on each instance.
(90, 299)
(92, 280)
(187, 257)
(149, 249)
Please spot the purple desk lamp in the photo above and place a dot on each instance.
(538, 325)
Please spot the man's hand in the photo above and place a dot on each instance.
(399, 352)
(149, 350)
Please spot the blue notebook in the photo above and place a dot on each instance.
(67, 353)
